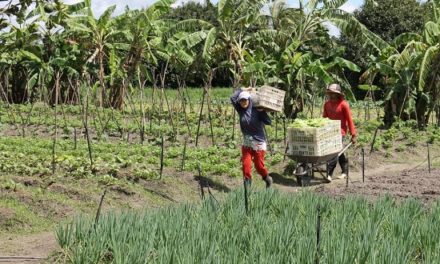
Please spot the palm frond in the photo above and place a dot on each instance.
(193, 39)
(209, 42)
(432, 33)
(187, 25)
(350, 26)
(426, 65)
(404, 38)
(106, 17)
(408, 54)
(334, 3)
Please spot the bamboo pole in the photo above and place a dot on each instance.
(57, 84)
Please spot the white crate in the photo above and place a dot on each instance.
(320, 148)
(268, 97)
(315, 134)
(315, 141)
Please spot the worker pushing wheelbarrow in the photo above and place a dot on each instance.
(317, 142)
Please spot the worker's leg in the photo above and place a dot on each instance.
(258, 156)
(246, 161)
(343, 162)
(331, 166)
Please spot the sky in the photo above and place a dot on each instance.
(99, 6)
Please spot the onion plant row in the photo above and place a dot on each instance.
(278, 228)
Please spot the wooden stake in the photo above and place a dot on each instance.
(161, 157)
(57, 84)
(200, 118)
(202, 191)
(363, 165)
(348, 170)
(429, 158)
(75, 138)
(98, 212)
(182, 166)
(318, 236)
(374, 140)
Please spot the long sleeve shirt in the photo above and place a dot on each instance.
(340, 110)
(252, 121)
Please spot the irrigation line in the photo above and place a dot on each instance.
(421, 163)
(15, 258)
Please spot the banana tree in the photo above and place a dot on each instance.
(142, 32)
(54, 37)
(307, 56)
(410, 71)
(16, 70)
(97, 35)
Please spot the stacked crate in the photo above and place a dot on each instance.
(268, 97)
(315, 141)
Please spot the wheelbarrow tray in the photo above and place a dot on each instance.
(314, 159)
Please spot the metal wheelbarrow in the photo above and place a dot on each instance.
(308, 165)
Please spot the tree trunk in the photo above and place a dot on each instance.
(19, 93)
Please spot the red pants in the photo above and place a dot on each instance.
(248, 154)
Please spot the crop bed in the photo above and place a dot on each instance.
(279, 228)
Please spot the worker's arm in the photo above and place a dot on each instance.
(324, 113)
(347, 112)
(234, 100)
(264, 117)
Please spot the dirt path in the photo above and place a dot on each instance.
(36, 246)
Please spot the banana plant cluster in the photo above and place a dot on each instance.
(251, 42)
(409, 68)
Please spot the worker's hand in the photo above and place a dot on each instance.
(353, 140)
(248, 89)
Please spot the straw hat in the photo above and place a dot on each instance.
(334, 88)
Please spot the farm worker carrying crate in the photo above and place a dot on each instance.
(337, 108)
(252, 122)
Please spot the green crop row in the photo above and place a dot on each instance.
(278, 228)
(116, 160)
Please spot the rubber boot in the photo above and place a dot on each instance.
(248, 183)
(268, 181)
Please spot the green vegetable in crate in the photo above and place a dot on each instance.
(313, 122)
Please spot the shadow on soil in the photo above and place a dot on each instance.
(290, 180)
(283, 180)
(207, 182)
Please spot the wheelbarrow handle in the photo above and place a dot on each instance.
(344, 149)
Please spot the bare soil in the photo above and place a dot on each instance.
(27, 249)
(409, 183)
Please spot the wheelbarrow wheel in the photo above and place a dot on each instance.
(298, 180)
(299, 172)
